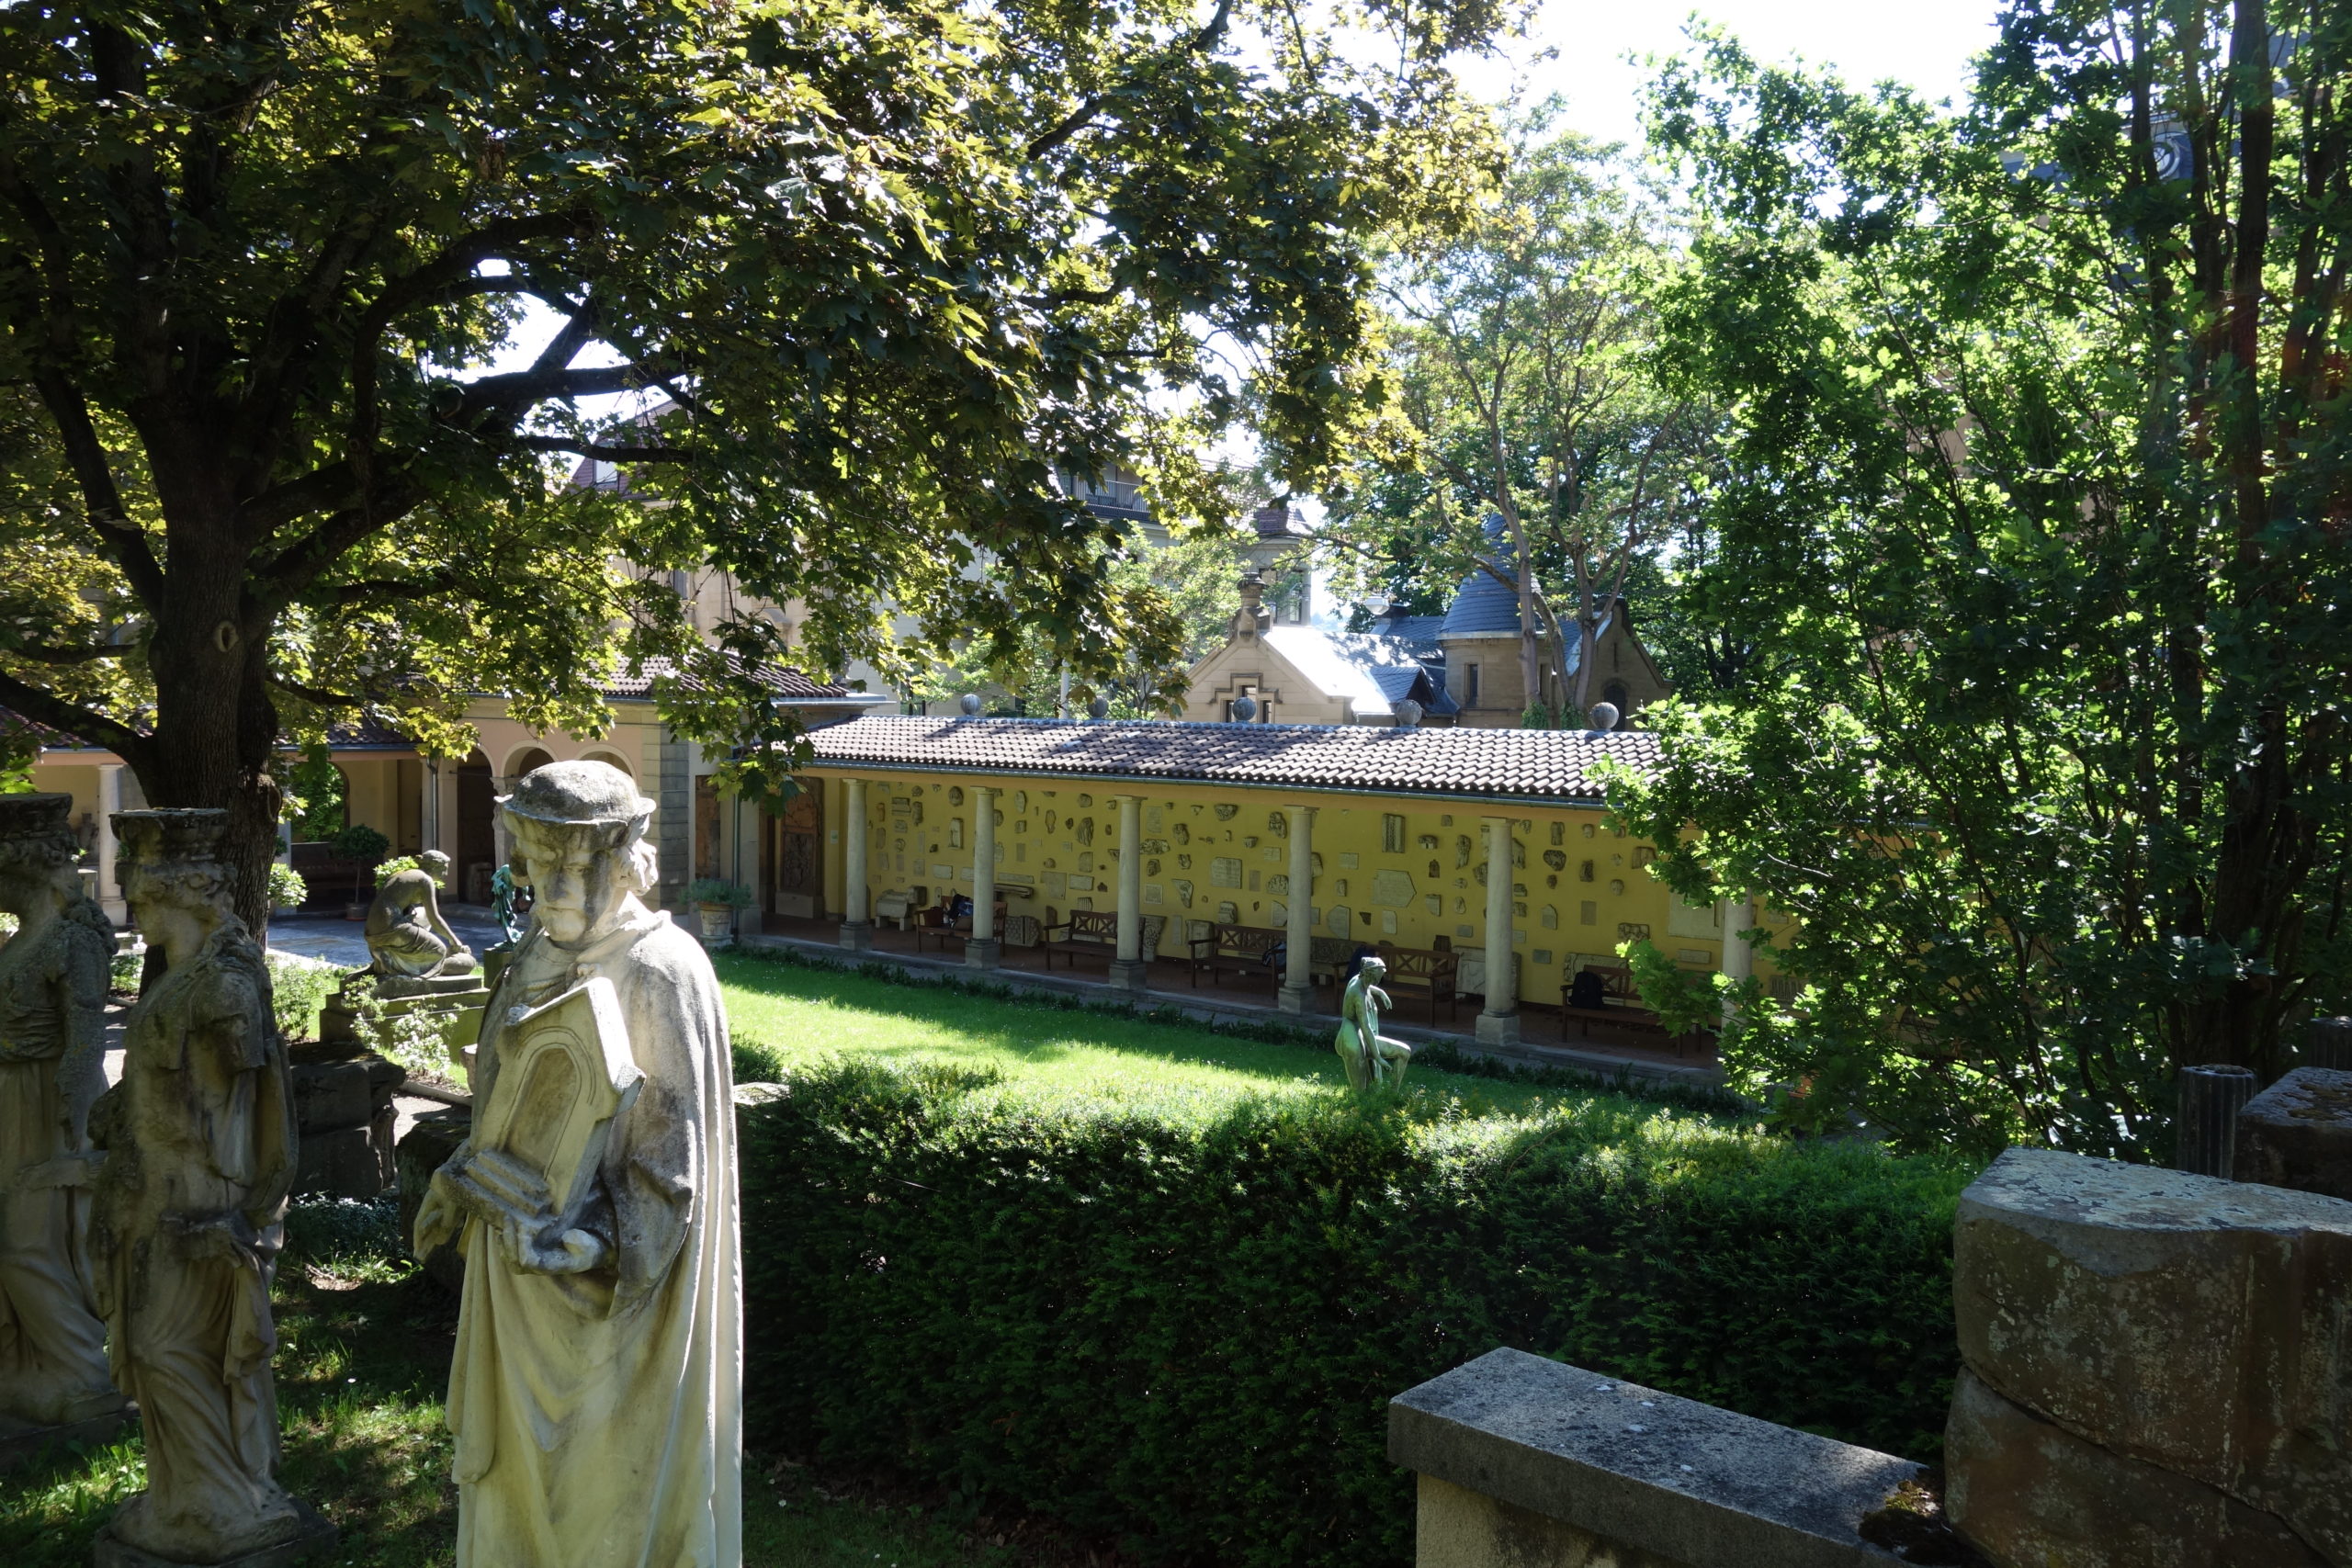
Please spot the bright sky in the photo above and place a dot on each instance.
(1928, 46)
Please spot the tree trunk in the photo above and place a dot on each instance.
(216, 728)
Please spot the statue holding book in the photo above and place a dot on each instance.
(596, 1390)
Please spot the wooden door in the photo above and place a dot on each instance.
(707, 809)
(800, 855)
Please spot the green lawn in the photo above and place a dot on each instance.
(802, 1013)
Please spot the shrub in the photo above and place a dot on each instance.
(286, 888)
(1183, 1327)
(298, 987)
(387, 869)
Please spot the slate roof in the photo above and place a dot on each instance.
(1480, 764)
(1369, 671)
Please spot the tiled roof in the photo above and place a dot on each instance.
(1512, 764)
(637, 682)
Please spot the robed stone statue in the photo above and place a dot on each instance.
(54, 978)
(191, 1215)
(595, 1393)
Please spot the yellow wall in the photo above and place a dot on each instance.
(1060, 837)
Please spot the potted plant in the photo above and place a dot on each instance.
(362, 846)
(716, 900)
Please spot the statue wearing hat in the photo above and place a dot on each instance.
(191, 1215)
(53, 976)
(595, 1393)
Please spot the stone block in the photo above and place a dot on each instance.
(1455, 1527)
(1638, 1478)
(2297, 1133)
(431, 1140)
(2029, 1494)
(333, 1095)
(342, 1162)
(2203, 1326)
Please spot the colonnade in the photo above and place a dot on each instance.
(1497, 1018)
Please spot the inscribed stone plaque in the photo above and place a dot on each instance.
(1224, 871)
(943, 872)
(1348, 860)
(1183, 892)
(1055, 884)
(1081, 884)
(1151, 893)
(1339, 919)
(1393, 889)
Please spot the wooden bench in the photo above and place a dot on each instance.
(1423, 972)
(1621, 1012)
(1083, 931)
(1242, 949)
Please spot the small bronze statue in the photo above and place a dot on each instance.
(191, 1209)
(1369, 1056)
(53, 978)
(407, 938)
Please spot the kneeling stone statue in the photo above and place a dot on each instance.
(596, 1391)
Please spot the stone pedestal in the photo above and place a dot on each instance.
(1499, 1029)
(455, 1001)
(313, 1536)
(2297, 1133)
(1130, 974)
(428, 1145)
(982, 953)
(21, 1443)
(1296, 998)
(857, 936)
(342, 1112)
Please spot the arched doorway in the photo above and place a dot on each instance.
(1615, 692)
(477, 833)
(524, 761)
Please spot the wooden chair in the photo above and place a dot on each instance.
(1423, 972)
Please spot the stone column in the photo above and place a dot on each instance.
(1298, 994)
(1739, 959)
(428, 811)
(983, 951)
(1128, 971)
(857, 923)
(109, 801)
(1499, 1019)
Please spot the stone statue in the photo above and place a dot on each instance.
(407, 938)
(595, 1393)
(54, 978)
(190, 1214)
(1369, 1056)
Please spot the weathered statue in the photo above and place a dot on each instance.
(53, 976)
(406, 935)
(595, 1393)
(190, 1212)
(1369, 1056)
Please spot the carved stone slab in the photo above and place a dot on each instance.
(315, 1536)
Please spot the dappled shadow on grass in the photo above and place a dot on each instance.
(360, 1371)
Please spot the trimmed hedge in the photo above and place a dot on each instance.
(1180, 1326)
